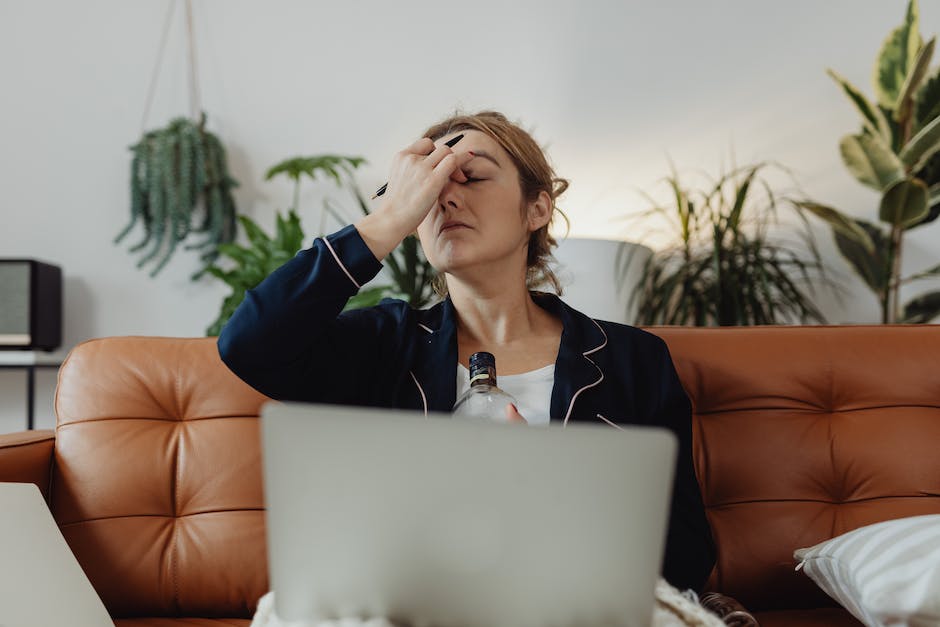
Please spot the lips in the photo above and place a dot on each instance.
(450, 225)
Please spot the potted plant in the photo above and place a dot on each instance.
(897, 153)
(264, 253)
(723, 266)
(177, 173)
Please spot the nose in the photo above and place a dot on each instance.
(449, 197)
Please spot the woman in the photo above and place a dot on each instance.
(482, 211)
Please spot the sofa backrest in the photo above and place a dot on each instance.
(157, 477)
(804, 433)
(800, 434)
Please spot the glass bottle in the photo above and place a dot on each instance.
(484, 400)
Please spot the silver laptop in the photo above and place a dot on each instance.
(446, 523)
(41, 582)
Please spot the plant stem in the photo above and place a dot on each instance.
(296, 193)
(893, 304)
(893, 313)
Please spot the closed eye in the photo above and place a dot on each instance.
(470, 179)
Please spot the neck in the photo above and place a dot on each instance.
(495, 311)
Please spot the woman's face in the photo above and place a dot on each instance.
(480, 221)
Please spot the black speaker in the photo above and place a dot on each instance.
(30, 305)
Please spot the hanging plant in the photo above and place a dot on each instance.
(178, 173)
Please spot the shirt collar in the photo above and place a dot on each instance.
(575, 371)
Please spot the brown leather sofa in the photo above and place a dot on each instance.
(801, 433)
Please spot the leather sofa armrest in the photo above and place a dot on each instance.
(730, 611)
(26, 457)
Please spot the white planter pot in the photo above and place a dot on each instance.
(599, 276)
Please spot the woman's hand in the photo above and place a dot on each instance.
(418, 175)
(513, 415)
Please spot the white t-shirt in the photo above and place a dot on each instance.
(532, 391)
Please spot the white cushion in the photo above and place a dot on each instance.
(886, 574)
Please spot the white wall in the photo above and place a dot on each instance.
(611, 88)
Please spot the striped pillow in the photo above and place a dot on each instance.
(886, 574)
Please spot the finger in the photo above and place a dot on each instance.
(458, 175)
(443, 170)
(423, 146)
(513, 415)
(463, 158)
(438, 155)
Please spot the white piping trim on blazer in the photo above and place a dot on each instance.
(590, 385)
(424, 399)
(614, 425)
(340, 263)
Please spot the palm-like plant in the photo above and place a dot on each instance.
(411, 272)
(251, 264)
(723, 267)
(897, 153)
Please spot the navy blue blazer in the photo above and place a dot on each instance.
(289, 340)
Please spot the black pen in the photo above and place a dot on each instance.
(449, 143)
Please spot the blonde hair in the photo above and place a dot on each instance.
(535, 176)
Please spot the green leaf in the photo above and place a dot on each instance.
(917, 152)
(925, 274)
(289, 235)
(740, 196)
(228, 308)
(897, 55)
(872, 117)
(258, 238)
(841, 223)
(927, 102)
(368, 297)
(871, 265)
(332, 166)
(904, 203)
(870, 160)
(922, 309)
(239, 254)
(932, 214)
(904, 106)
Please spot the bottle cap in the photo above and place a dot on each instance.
(482, 359)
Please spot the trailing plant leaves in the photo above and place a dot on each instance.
(872, 117)
(872, 266)
(904, 203)
(870, 160)
(922, 309)
(175, 171)
(841, 223)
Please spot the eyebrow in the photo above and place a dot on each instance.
(486, 155)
